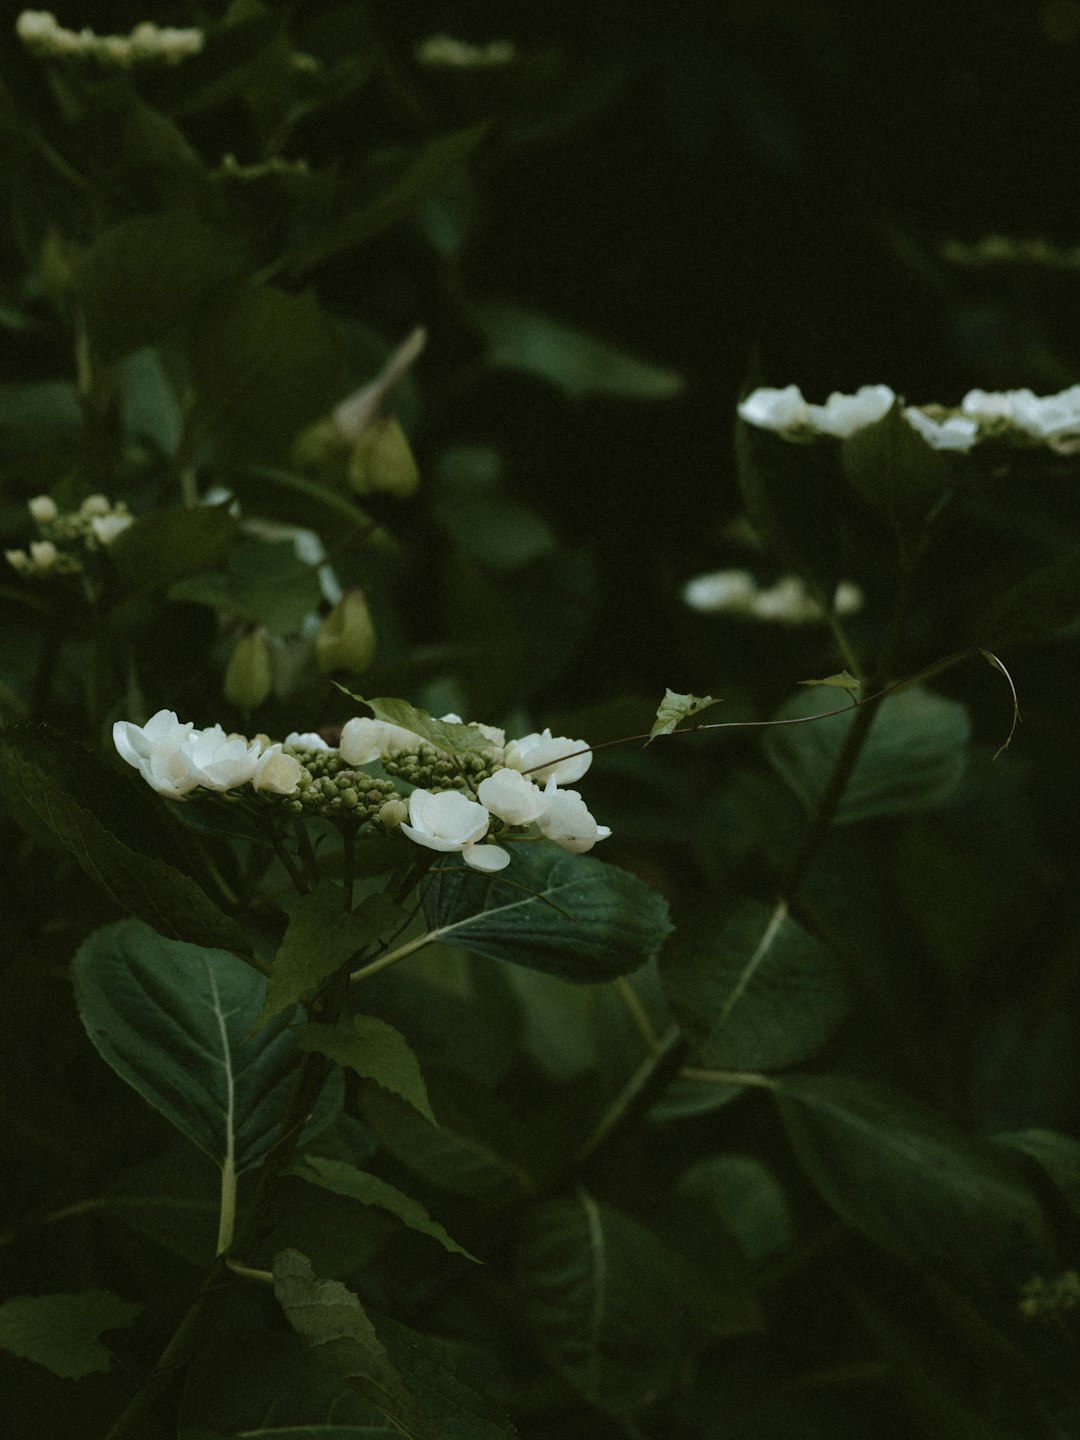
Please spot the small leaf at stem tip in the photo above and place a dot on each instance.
(842, 681)
(675, 707)
(447, 735)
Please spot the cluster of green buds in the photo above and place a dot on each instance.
(67, 535)
(348, 794)
(1050, 1299)
(429, 768)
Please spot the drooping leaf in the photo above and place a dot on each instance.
(445, 734)
(167, 545)
(267, 1385)
(903, 1175)
(758, 989)
(265, 583)
(174, 1021)
(550, 910)
(322, 936)
(43, 768)
(344, 1179)
(890, 465)
(578, 364)
(606, 1299)
(144, 274)
(333, 1323)
(62, 1332)
(266, 363)
(843, 680)
(1035, 607)
(913, 758)
(1059, 1156)
(375, 1051)
(675, 708)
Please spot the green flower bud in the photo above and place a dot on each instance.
(247, 678)
(346, 638)
(382, 460)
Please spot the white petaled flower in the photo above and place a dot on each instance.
(18, 560)
(788, 601)
(549, 757)
(307, 740)
(849, 599)
(158, 750)
(958, 432)
(1047, 416)
(44, 554)
(720, 590)
(991, 404)
(511, 796)
(107, 527)
(446, 820)
(364, 740)
(275, 772)
(842, 415)
(775, 409)
(566, 821)
(94, 505)
(219, 761)
(43, 508)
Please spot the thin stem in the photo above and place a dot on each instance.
(227, 1208)
(246, 1272)
(348, 860)
(728, 1077)
(628, 995)
(393, 956)
(288, 863)
(635, 1093)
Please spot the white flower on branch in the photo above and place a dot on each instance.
(448, 821)
(566, 820)
(511, 796)
(545, 756)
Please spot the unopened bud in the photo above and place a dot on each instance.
(346, 638)
(247, 677)
(320, 446)
(42, 509)
(44, 554)
(392, 812)
(18, 560)
(382, 460)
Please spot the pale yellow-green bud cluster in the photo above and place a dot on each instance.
(63, 533)
(347, 794)
(45, 37)
(1049, 1299)
(429, 768)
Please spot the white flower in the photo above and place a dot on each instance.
(956, 433)
(446, 820)
(306, 740)
(43, 554)
(221, 762)
(94, 505)
(158, 751)
(546, 756)
(275, 772)
(107, 527)
(788, 601)
(991, 404)
(849, 599)
(720, 590)
(19, 560)
(43, 508)
(1047, 416)
(842, 415)
(511, 796)
(775, 409)
(566, 820)
(364, 740)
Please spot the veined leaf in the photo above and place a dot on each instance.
(344, 1179)
(758, 989)
(445, 734)
(675, 708)
(439, 1373)
(375, 1051)
(166, 545)
(62, 1332)
(174, 1021)
(550, 910)
(1059, 1156)
(843, 680)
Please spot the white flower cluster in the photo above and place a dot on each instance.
(510, 795)
(1011, 414)
(94, 526)
(787, 602)
(45, 37)
(444, 52)
(175, 759)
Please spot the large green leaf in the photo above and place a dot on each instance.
(265, 583)
(913, 758)
(1036, 606)
(374, 1050)
(62, 1332)
(746, 1197)
(332, 1321)
(344, 1179)
(174, 1021)
(758, 990)
(606, 1298)
(440, 1374)
(75, 795)
(906, 1177)
(1059, 1156)
(892, 466)
(166, 545)
(550, 910)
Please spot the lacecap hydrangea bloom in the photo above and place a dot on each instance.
(786, 413)
(786, 602)
(175, 758)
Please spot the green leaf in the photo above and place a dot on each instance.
(167, 545)
(843, 680)
(439, 1373)
(550, 910)
(453, 738)
(40, 766)
(265, 364)
(266, 1385)
(746, 1197)
(906, 1177)
(1036, 606)
(344, 1179)
(496, 530)
(143, 275)
(62, 1332)
(675, 708)
(913, 758)
(332, 1321)
(174, 1021)
(454, 1161)
(606, 1299)
(375, 1051)
(1059, 1156)
(758, 990)
(577, 364)
(892, 467)
(266, 583)
(322, 936)
(285, 496)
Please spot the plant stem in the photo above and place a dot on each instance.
(393, 956)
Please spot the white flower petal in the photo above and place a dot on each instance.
(775, 409)
(546, 756)
(511, 796)
(486, 858)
